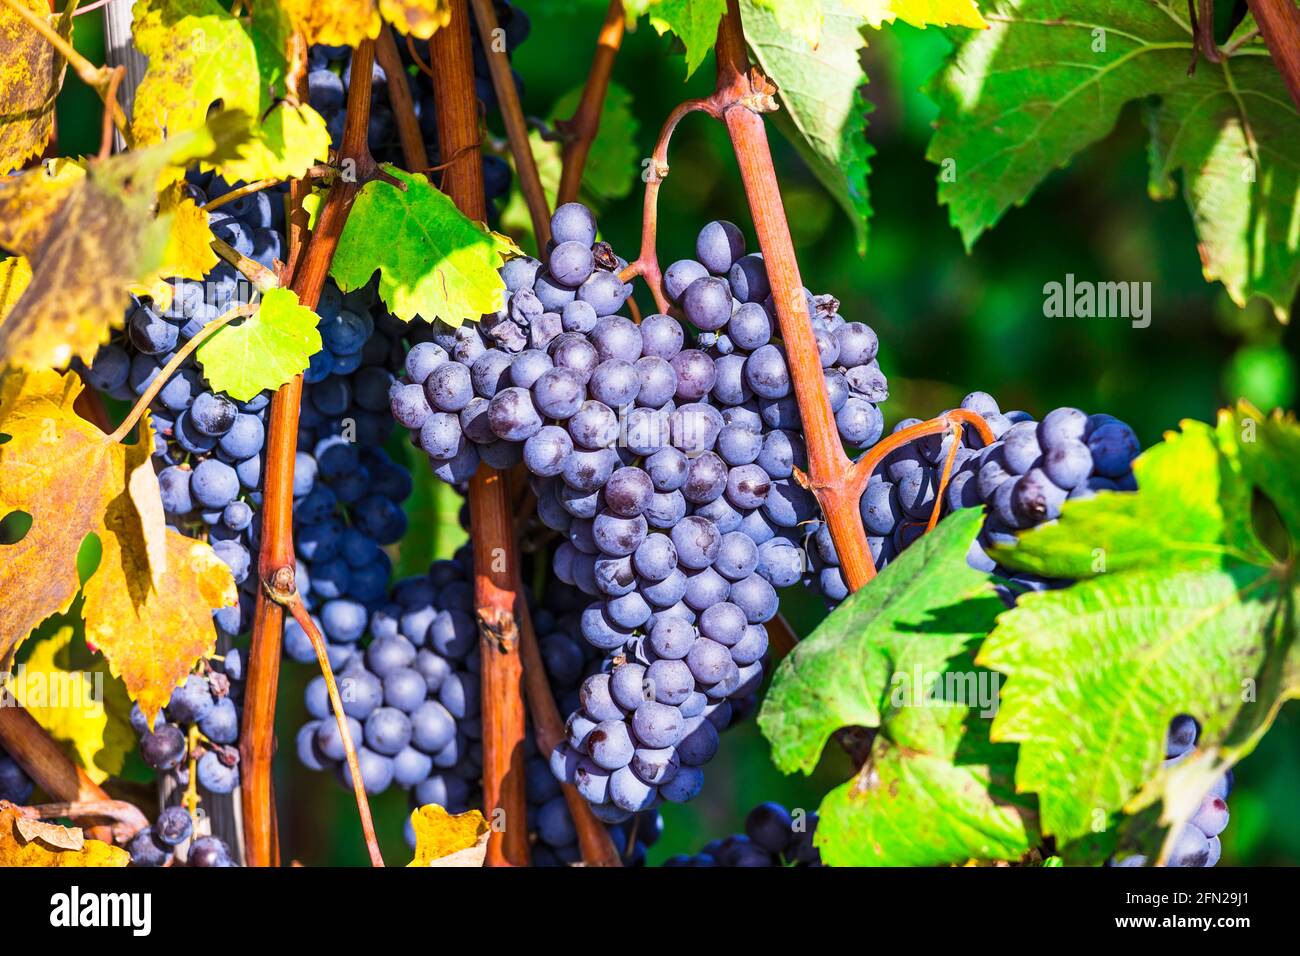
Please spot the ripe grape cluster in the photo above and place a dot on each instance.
(773, 837)
(207, 702)
(1022, 478)
(667, 464)
(1197, 842)
(411, 696)
(330, 75)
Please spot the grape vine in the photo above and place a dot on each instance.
(288, 297)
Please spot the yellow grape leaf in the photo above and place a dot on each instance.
(31, 75)
(418, 18)
(70, 699)
(63, 472)
(919, 13)
(291, 139)
(64, 220)
(16, 850)
(33, 198)
(188, 254)
(343, 22)
(15, 273)
(348, 22)
(198, 54)
(439, 835)
(153, 638)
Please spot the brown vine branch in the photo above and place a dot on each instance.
(127, 818)
(582, 128)
(1279, 22)
(503, 81)
(497, 588)
(399, 97)
(293, 601)
(829, 469)
(276, 557)
(41, 759)
(106, 132)
(781, 638)
(646, 264)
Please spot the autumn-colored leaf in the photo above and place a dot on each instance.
(419, 18)
(441, 837)
(63, 219)
(15, 274)
(63, 472)
(153, 638)
(348, 22)
(290, 140)
(188, 254)
(200, 54)
(42, 850)
(70, 698)
(31, 75)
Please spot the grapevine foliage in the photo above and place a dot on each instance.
(934, 790)
(200, 54)
(824, 111)
(263, 351)
(29, 83)
(432, 261)
(1181, 608)
(1050, 77)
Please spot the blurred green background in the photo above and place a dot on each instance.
(948, 323)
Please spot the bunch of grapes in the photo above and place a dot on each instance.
(668, 468)
(207, 703)
(171, 840)
(1197, 842)
(1022, 478)
(410, 696)
(773, 837)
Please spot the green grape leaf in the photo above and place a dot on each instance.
(1050, 78)
(1179, 608)
(1229, 130)
(433, 261)
(31, 76)
(613, 165)
(263, 351)
(694, 22)
(823, 110)
(896, 656)
(797, 17)
(200, 54)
